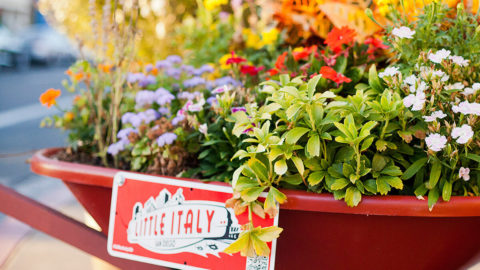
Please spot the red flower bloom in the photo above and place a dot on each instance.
(235, 59)
(280, 63)
(337, 37)
(273, 71)
(305, 53)
(373, 45)
(331, 74)
(250, 70)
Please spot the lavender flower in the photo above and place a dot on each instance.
(237, 109)
(227, 80)
(163, 64)
(144, 97)
(203, 69)
(148, 116)
(126, 117)
(212, 100)
(177, 119)
(188, 69)
(188, 95)
(164, 111)
(173, 72)
(134, 77)
(149, 68)
(166, 138)
(174, 59)
(195, 81)
(147, 80)
(163, 96)
(123, 133)
(115, 148)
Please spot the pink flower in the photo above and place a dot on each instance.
(464, 173)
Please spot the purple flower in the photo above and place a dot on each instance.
(114, 148)
(174, 59)
(203, 69)
(177, 119)
(134, 77)
(195, 81)
(149, 68)
(237, 109)
(166, 138)
(212, 100)
(164, 111)
(147, 80)
(126, 117)
(148, 116)
(163, 64)
(188, 95)
(144, 97)
(163, 96)
(188, 69)
(173, 72)
(123, 133)
(227, 80)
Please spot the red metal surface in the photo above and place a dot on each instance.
(387, 232)
(64, 228)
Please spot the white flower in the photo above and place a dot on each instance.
(467, 108)
(476, 86)
(389, 71)
(436, 142)
(459, 60)
(415, 101)
(464, 173)
(422, 86)
(403, 32)
(462, 134)
(439, 56)
(411, 80)
(440, 74)
(468, 91)
(434, 116)
(455, 86)
(203, 129)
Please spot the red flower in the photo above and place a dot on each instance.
(250, 70)
(305, 53)
(273, 71)
(337, 37)
(331, 74)
(235, 59)
(374, 44)
(280, 63)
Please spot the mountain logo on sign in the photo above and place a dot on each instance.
(170, 224)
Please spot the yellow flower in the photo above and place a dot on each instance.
(223, 61)
(253, 41)
(298, 49)
(213, 4)
(68, 116)
(270, 36)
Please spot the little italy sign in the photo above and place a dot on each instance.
(176, 223)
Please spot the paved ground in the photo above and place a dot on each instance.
(20, 135)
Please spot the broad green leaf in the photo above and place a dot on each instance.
(261, 248)
(251, 194)
(281, 167)
(392, 170)
(279, 196)
(344, 130)
(435, 173)
(239, 154)
(447, 191)
(353, 196)
(291, 91)
(293, 179)
(347, 170)
(313, 146)
(414, 168)
(242, 245)
(295, 134)
(378, 162)
(312, 84)
(268, 234)
(371, 186)
(367, 143)
(284, 79)
(298, 164)
(258, 168)
(292, 110)
(316, 177)
(366, 128)
(274, 153)
(432, 198)
(473, 157)
(270, 205)
(339, 183)
(382, 186)
(245, 182)
(421, 190)
(373, 80)
(393, 181)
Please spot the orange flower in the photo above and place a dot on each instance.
(68, 116)
(280, 63)
(331, 74)
(337, 37)
(105, 68)
(154, 71)
(49, 96)
(69, 72)
(305, 53)
(78, 76)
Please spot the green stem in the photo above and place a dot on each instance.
(384, 129)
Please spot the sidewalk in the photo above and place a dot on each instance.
(23, 248)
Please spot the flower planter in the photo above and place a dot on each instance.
(384, 232)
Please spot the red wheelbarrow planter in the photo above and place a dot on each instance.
(383, 232)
